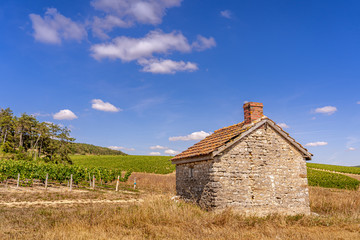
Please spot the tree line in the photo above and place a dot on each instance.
(89, 149)
(25, 137)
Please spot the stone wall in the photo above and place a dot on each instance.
(194, 182)
(261, 174)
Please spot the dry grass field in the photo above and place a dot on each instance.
(114, 215)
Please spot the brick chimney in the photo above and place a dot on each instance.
(252, 111)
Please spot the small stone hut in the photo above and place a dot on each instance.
(253, 167)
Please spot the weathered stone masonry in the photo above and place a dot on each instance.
(263, 173)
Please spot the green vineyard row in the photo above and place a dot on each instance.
(58, 172)
(148, 164)
(331, 180)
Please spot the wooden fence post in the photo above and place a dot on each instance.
(117, 183)
(93, 181)
(46, 180)
(89, 179)
(18, 181)
(71, 180)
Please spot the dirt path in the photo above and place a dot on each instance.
(66, 202)
(356, 176)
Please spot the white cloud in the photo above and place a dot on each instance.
(158, 147)
(203, 43)
(283, 125)
(65, 114)
(124, 13)
(166, 66)
(155, 42)
(40, 114)
(121, 148)
(102, 25)
(226, 14)
(171, 152)
(350, 142)
(54, 27)
(193, 136)
(98, 104)
(326, 110)
(155, 153)
(316, 144)
(129, 49)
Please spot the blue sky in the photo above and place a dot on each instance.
(137, 74)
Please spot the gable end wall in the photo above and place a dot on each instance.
(262, 174)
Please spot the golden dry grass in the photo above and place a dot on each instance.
(154, 182)
(158, 217)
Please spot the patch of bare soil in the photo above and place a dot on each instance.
(11, 196)
(66, 202)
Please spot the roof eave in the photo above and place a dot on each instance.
(307, 155)
(192, 159)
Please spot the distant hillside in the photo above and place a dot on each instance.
(89, 149)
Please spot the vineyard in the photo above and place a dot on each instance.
(162, 165)
(335, 168)
(331, 180)
(147, 164)
(9, 169)
(107, 168)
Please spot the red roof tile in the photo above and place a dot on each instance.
(212, 142)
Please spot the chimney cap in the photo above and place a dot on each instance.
(254, 104)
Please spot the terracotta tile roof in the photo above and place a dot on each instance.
(212, 142)
(224, 135)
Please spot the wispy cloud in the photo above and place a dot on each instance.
(226, 14)
(155, 153)
(121, 148)
(100, 105)
(158, 147)
(316, 144)
(129, 49)
(283, 125)
(64, 114)
(326, 110)
(40, 114)
(154, 43)
(101, 26)
(166, 66)
(124, 13)
(54, 27)
(203, 43)
(171, 152)
(351, 142)
(193, 136)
